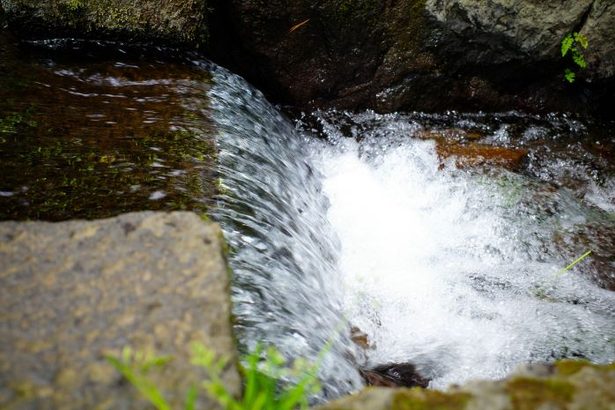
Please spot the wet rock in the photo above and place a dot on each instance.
(600, 264)
(449, 134)
(601, 36)
(564, 385)
(475, 154)
(394, 375)
(360, 338)
(173, 21)
(417, 54)
(72, 292)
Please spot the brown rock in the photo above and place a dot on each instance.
(359, 337)
(475, 154)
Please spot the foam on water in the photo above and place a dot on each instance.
(441, 269)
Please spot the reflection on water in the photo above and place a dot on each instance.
(96, 135)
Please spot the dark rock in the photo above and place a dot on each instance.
(417, 54)
(394, 375)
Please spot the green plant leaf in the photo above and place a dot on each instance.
(567, 42)
(578, 58)
(144, 385)
(577, 260)
(191, 398)
(569, 75)
(581, 39)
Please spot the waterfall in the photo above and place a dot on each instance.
(346, 219)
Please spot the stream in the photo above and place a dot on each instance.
(337, 219)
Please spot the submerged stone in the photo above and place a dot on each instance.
(394, 375)
(475, 154)
(73, 292)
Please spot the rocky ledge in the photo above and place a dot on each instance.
(73, 292)
(564, 385)
(171, 21)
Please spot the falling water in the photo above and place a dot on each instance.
(351, 219)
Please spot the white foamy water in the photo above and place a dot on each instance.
(440, 269)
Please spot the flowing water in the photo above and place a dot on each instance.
(354, 219)
(338, 219)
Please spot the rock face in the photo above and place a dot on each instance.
(72, 292)
(174, 21)
(565, 385)
(418, 54)
(387, 55)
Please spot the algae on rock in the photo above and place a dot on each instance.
(173, 21)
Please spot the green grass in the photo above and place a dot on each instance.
(577, 260)
(266, 375)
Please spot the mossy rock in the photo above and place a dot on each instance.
(566, 384)
(170, 21)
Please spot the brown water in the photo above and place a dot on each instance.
(95, 131)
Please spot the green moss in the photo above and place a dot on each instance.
(570, 367)
(529, 393)
(173, 21)
(74, 5)
(409, 30)
(424, 399)
(11, 123)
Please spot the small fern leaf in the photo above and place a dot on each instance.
(570, 76)
(567, 44)
(578, 58)
(581, 39)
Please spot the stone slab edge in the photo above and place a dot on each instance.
(73, 292)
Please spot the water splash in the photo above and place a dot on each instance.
(451, 269)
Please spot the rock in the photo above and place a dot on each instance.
(360, 338)
(599, 267)
(475, 154)
(172, 21)
(418, 54)
(565, 385)
(386, 375)
(72, 292)
(394, 375)
(449, 134)
(503, 31)
(601, 36)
